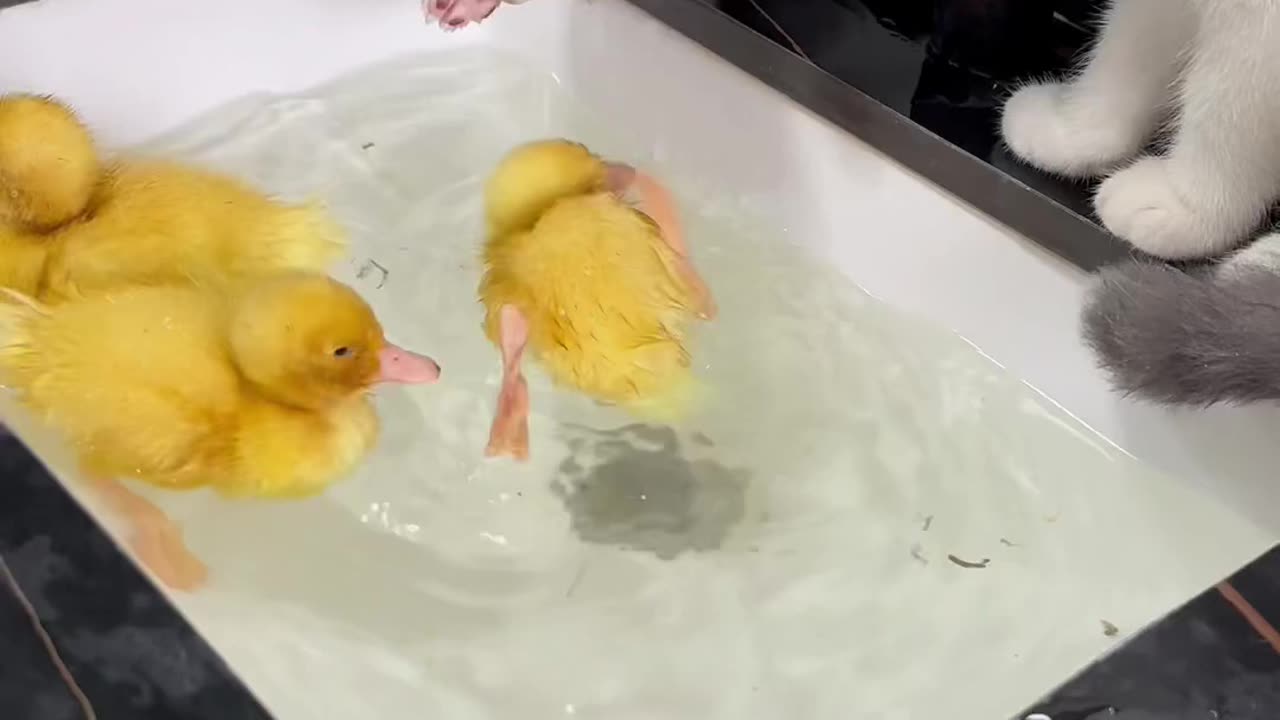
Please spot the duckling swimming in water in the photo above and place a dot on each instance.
(600, 291)
(261, 392)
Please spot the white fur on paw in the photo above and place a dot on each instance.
(1261, 254)
(1158, 210)
(1076, 138)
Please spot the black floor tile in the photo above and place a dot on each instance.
(30, 686)
(1259, 583)
(1203, 662)
(128, 649)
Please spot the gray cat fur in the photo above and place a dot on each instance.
(1177, 338)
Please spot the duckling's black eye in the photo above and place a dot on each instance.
(342, 351)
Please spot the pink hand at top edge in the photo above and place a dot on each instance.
(457, 14)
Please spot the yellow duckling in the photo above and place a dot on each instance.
(600, 291)
(157, 221)
(49, 164)
(69, 223)
(49, 172)
(261, 393)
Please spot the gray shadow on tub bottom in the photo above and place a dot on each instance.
(634, 488)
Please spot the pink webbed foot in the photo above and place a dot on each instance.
(153, 537)
(457, 14)
(509, 434)
(657, 203)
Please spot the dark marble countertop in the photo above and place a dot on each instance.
(125, 646)
(921, 81)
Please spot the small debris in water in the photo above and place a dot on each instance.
(1008, 543)
(577, 579)
(370, 266)
(928, 522)
(1109, 630)
(1051, 518)
(966, 564)
(917, 552)
(366, 146)
(703, 440)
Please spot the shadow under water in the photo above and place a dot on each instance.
(632, 487)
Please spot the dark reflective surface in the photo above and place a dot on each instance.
(945, 64)
(1203, 662)
(130, 653)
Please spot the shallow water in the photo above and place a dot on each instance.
(803, 545)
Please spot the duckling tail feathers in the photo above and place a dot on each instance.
(300, 237)
(684, 395)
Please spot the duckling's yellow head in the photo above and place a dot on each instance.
(309, 341)
(532, 177)
(49, 168)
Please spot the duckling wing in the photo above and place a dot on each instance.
(22, 260)
(160, 221)
(606, 305)
(137, 380)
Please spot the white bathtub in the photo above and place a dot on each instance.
(135, 68)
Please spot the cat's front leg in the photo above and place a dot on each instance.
(1222, 173)
(1103, 116)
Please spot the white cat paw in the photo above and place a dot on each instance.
(1049, 129)
(1159, 211)
(1261, 254)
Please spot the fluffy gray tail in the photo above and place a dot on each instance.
(1181, 339)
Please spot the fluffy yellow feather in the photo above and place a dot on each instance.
(71, 223)
(22, 260)
(600, 292)
(49, 171)
(156, 221)
(49, 167)
(261, 392)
